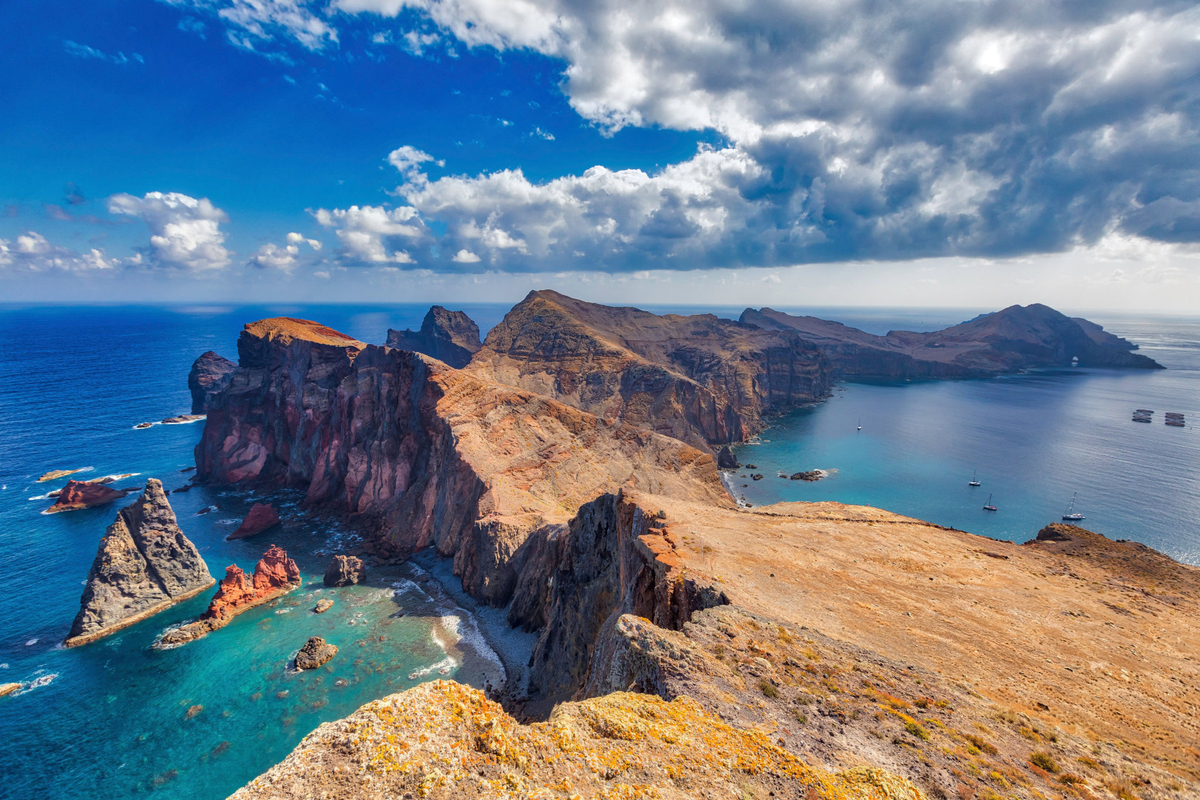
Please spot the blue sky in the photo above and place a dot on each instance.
(918, 153)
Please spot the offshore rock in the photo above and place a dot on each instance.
(726, 459)
(316, 651)
(262, 516)
(426, 454)
(1015, 338)
(449, 336)
(55, 474)
(443, 740)
(8, 688)
(323, 605)
(144, 565)
(700, 379)
(209, 375)
(78, 495)
(182, 419)
(808, 475)
(274, 575)
(345, 571)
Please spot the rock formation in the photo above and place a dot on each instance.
(323, 605)
(429, 454)
(55, 474)
(144, 565)
(726, 459)
(700, 379)
(274, 575)
(262, 516)
(8, 688)
(316, 651)
(210, 374)
(449, 336)
(1010, 340)
(182, 419)
(78, 495)
(345, 571)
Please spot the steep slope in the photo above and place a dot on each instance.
(1009, 340)
(449, 336)
(425, 453)
(700, 379)
(144, 565)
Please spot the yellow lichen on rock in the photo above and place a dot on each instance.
(446, 740)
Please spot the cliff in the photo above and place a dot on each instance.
(699, 379)
(210, 374)
(449, 336)
(1015, 338)
(424, 453)
(274, 575)
(144, 565)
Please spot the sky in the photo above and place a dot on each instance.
(827, 152)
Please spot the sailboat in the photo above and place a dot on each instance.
(988, 506)
(860, 423)
(974, 481)
(1072, 515)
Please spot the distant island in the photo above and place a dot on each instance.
(687, 647)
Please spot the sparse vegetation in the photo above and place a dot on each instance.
(1044, 761)
(768, 689)
(980, 744)
(800, 716)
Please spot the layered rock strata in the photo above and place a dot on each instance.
(449, 336)
(274, 575)
(345, 571)
(78, 495)
(144, 565)
(700, 379)
(427, 454)
(1015, 338)
(262, 517)
(209, 375)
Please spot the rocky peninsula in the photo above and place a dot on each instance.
(144, 565)
(687, 647)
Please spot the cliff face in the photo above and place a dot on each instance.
(430, 454)
(700, 379)
(449, 336)
(209, 375)
(144, 565)
(1016, 338)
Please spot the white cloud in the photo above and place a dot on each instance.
(31, 252)
(185, 232)
(465, 256)
(368, 233)
(284, 259)
(263, 19)
(86, 51)
(408, 160)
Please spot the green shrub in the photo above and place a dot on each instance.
(1044, 761)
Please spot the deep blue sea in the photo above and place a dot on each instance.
(110, 719)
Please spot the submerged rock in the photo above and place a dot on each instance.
(261, 517)
(275, 574)
(323, 605)
(210, 374)
(810, 476)
(77, 495)
(345, 571)
(144, 564)
(315, 652)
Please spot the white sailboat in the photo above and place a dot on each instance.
(974, 480)
(1072, 515)
(989, 506)
(860, 423)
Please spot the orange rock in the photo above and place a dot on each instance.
(80, 494)
(261, 517)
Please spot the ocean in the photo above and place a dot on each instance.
(112, 718)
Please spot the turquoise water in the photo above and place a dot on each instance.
(1034, 439)
(110, 719)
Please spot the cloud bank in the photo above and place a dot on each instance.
(185, 233)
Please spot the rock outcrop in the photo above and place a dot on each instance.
(316, 651)
(8, 688)
(700, 379)
(144, 565)
(443, 740)
(449, 336)
(274, 575)
(55, 474)
(1015, 338)
(726, 459)
(427, 454)
(262, 517)
(78, 495)
(323, 605)
(209, 375)
(345, 571)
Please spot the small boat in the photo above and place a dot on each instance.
(974, 481)
(988, 506)
(1072, 515)
(860, 423)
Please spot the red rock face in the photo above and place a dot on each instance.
(273, 573)
(261, 517)
(78, 494)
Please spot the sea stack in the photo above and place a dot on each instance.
(262, 516)
(144, 565)
(274, 575)
(210, 375)
(345, 571)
